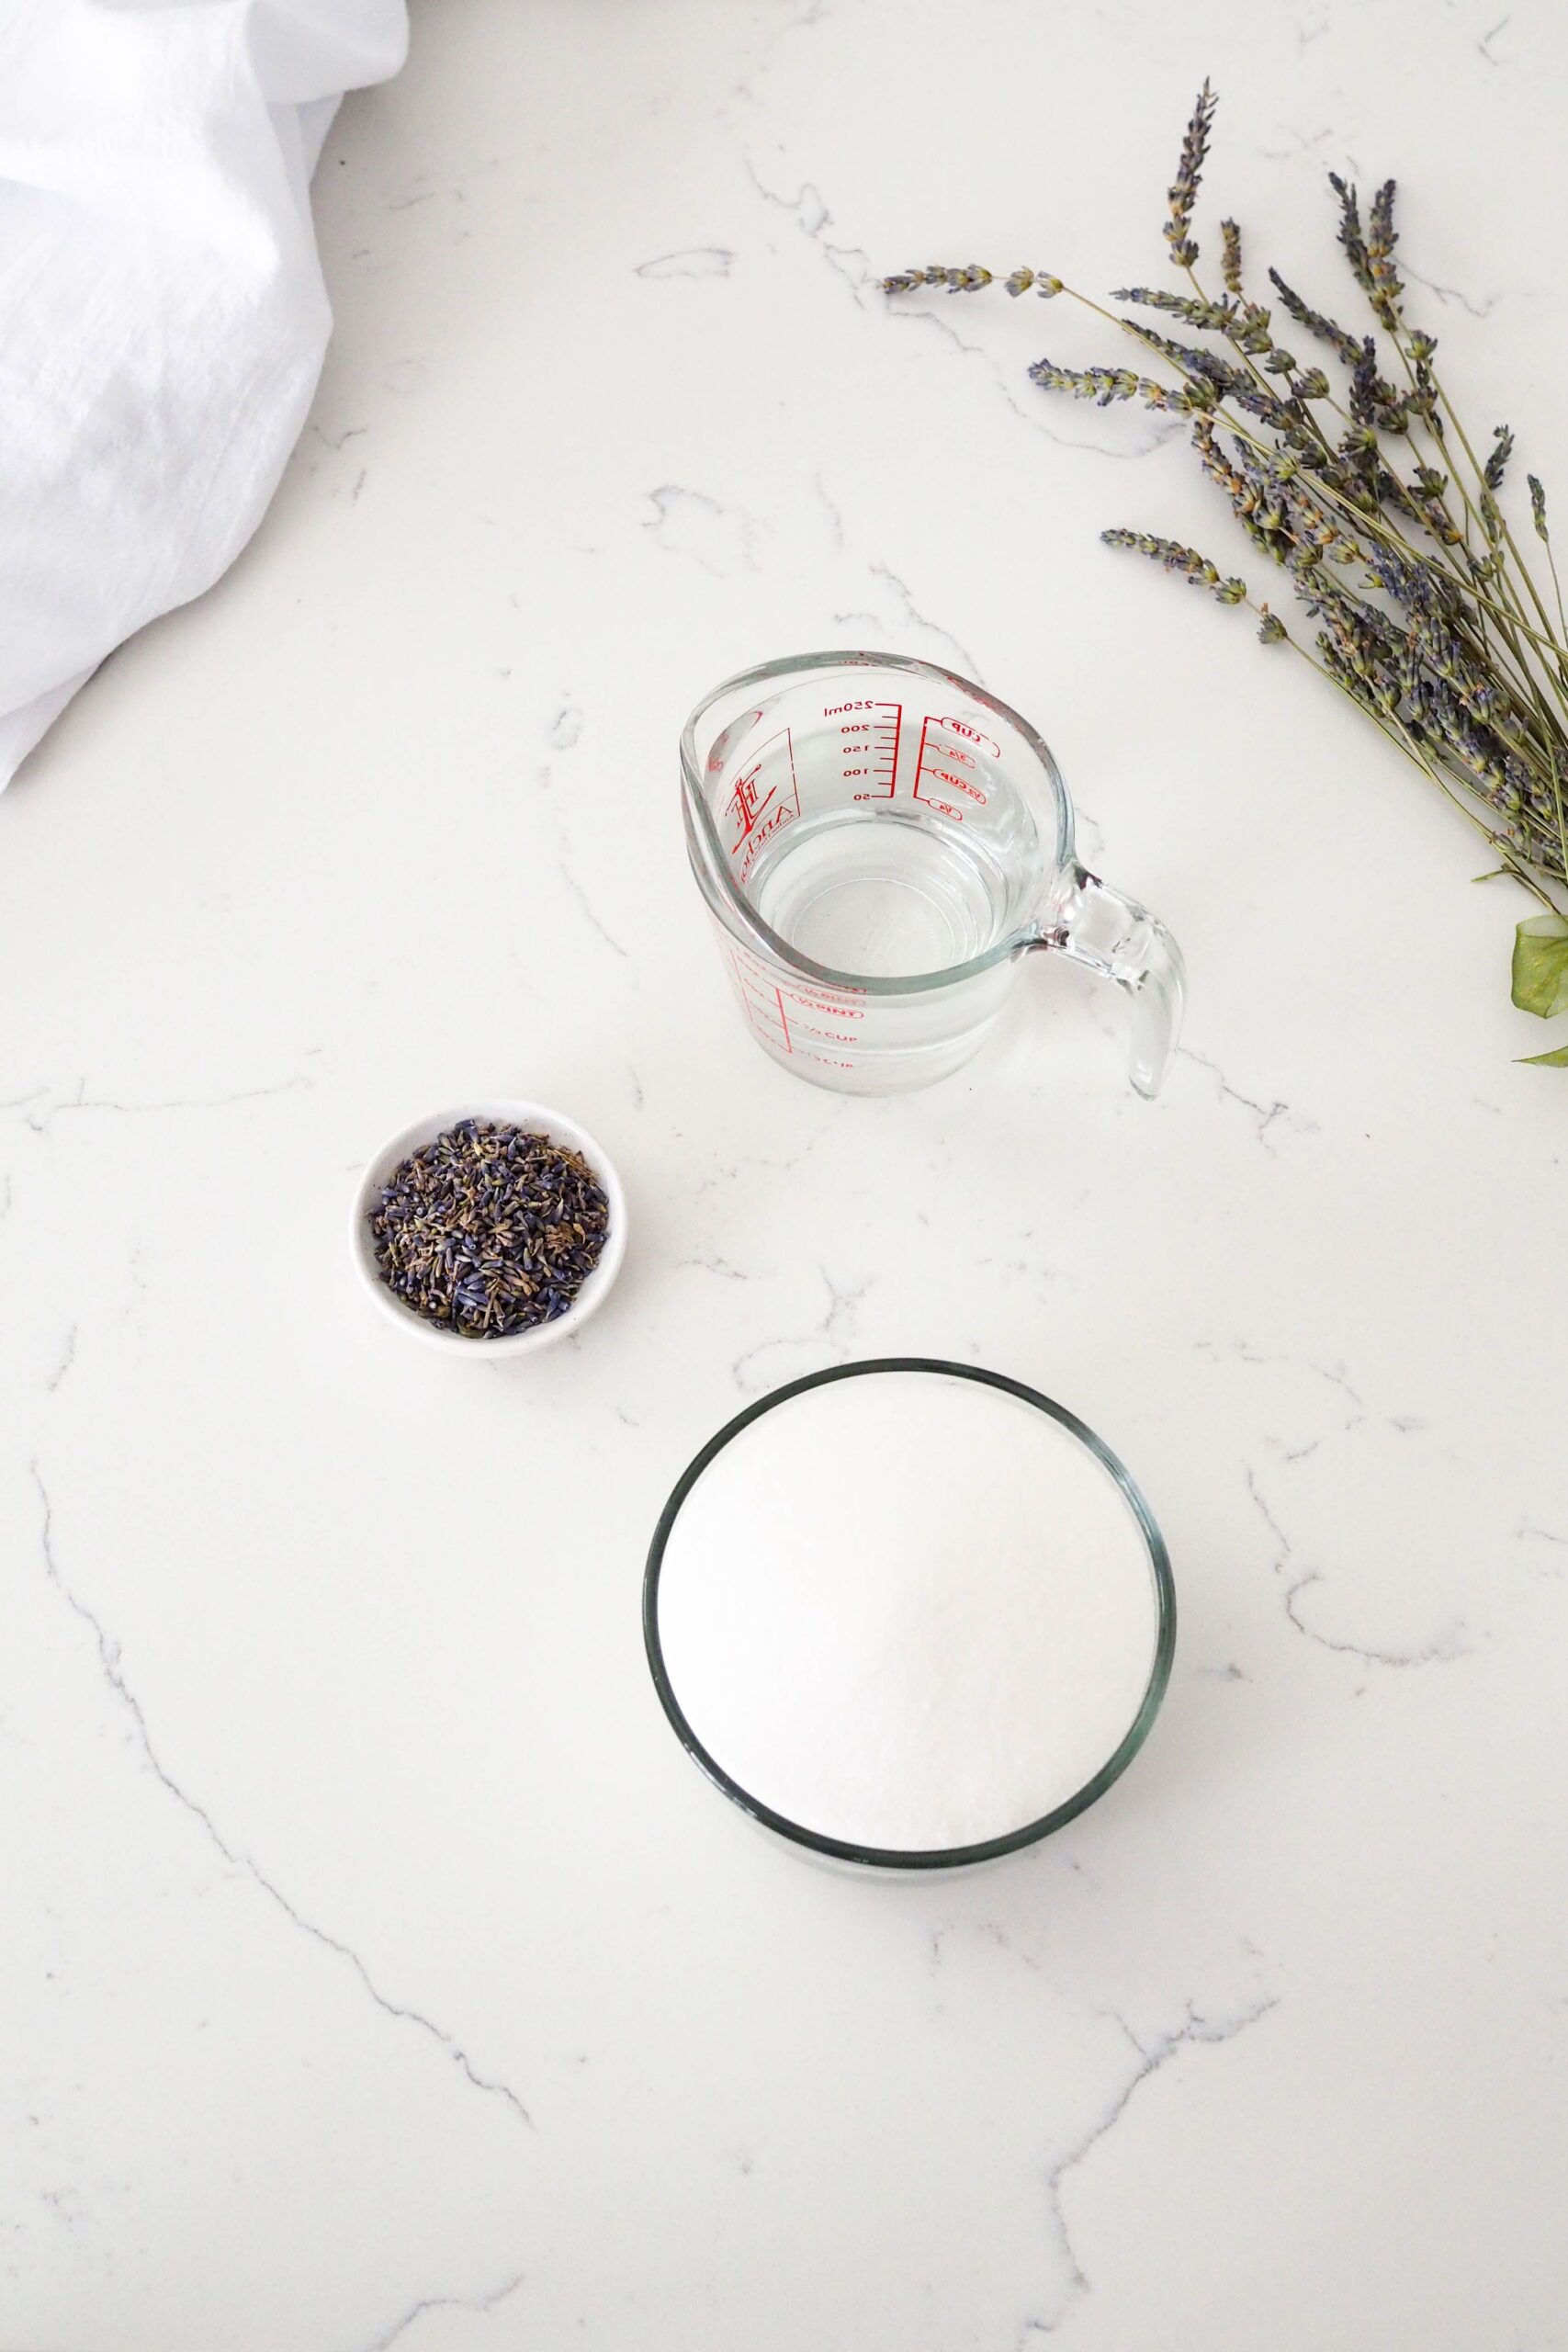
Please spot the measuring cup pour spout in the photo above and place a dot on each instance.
(1112, 935)
(879, 842)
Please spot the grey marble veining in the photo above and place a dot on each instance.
(377, 1971)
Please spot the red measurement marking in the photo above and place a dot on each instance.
(937, 779)
(968, 734)
(761, 1001)
(782, 1016)
(758, 1010)
(877, 758)
(885, 737)
(757, 812)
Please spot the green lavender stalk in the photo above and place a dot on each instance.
(1391, 531)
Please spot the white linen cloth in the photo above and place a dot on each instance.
(163, 316)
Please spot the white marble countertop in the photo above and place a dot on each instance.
(377, 1969)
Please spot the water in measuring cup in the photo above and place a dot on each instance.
(878, 889)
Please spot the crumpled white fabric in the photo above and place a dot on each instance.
(163, 316)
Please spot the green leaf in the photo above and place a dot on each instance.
(1559, 1061)
(1540, 965)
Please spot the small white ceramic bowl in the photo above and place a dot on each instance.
(535, 1118)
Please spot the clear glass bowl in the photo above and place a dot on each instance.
(898, 1858)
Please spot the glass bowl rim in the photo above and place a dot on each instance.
(895, 1858)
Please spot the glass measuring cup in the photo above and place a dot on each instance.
(878, 842)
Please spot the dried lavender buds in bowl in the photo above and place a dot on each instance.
(490, 1229)
(500, 1222)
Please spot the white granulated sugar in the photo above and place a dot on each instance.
(907, 1610)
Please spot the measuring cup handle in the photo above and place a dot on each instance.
(1113, 935)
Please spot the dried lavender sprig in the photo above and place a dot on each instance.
(1381, 238)
(1511, 750)
(1416, 352)
(1336, 479)
(1107, 384)
(1433, 716)
(1183, 191)
(1230, 261)
(1362, 653)
(1247, 385)
(1283, 520)
(1432, 678)
(1436, 645)
(1208, 370)
(1205, 373)
(1419, 346)
(1538, 515)
(1361, 490)
(1343, 673)
(1313, 520)
(1426, 400)
(1270, 500)
(964, 277)
(1245, 324)
(969, 277)
(1342, 345)
(1185, 562)
(1350, 235)
(1042, 282)
(1348, 671)
(1261, 516)
(1392, 492)
(1215, 318)
(1473, 754)
(1374, 400)
(1372, 263)
(1443, 634)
